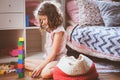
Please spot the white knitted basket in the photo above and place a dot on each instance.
(73, 67)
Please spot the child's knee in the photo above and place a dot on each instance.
(46, 75)
(47, 72)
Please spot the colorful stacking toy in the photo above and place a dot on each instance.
(21, 56)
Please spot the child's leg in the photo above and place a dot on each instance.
(31, 64)
(34, 61)
(47, 72)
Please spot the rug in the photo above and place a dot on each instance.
(103, 65)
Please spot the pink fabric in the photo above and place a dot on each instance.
(14, 53)
(73, 11)
(49, 43)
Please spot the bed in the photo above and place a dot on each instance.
(97, 33)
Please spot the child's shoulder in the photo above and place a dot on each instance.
(59, 29)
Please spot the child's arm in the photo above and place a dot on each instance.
(55, 48)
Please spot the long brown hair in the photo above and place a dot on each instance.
(52, 11)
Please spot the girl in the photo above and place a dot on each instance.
(50, 19)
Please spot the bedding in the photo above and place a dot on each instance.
(89, 14)
(72, 10)
(96, 35)
(97, 41)
(110, 12)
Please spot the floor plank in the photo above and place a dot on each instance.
(109, 76)
(14, 76)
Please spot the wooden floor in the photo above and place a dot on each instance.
(14, 76)
(102, 76)
(109, 76)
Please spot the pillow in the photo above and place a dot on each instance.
(110, 12)
(72, 10)
(89, 13)
(101, 42)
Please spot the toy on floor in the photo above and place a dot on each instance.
(20, 69)
(14, 52)
(30, 74)
(7, 68)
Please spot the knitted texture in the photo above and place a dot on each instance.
(70, 68)
(90, 75)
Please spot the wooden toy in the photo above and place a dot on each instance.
(20, 43)
(21, 39)
(21, 56)
(7, 68)
(20, 61)
(20, 66)
(20, 70)
(21, 51)
(30, 74)
(21, 75)
(2, 72)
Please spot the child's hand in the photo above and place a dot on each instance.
(36, 72)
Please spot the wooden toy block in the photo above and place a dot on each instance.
(21, 75)
(20, 61)
(20, 51)
(21, 39)
(2, 72)
(20, 56)
(20, 70)
(20, 47)
(30, 74)
(20, 66)
(20, 43)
